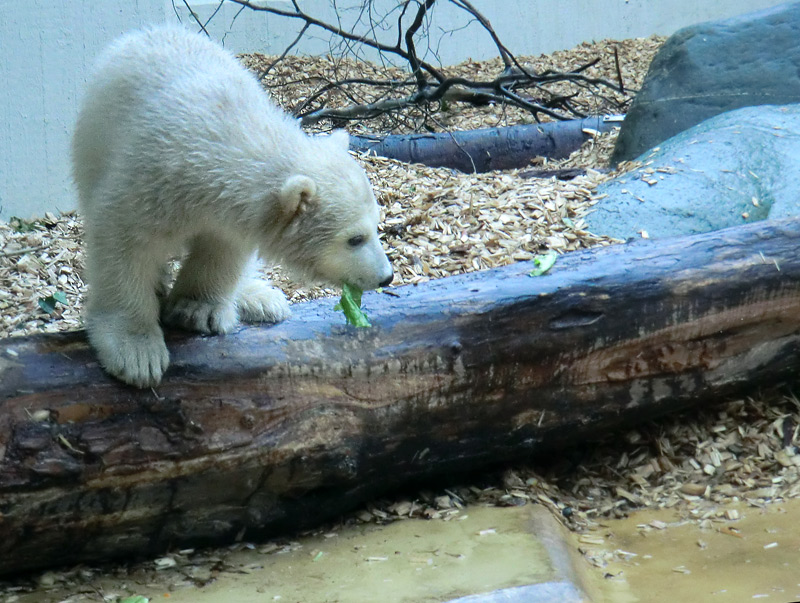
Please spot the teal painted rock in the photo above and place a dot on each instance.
(734, 168)
(711, 68)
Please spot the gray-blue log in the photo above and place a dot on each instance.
(487, 149)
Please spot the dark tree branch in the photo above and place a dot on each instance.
(400, 23)
(303, 109)
(535, 108)
(506, 56)
(339, 31)
(214, 13)
(269, 68)
(196, 18)
(431, 85)
(619, 71)
(422, 82)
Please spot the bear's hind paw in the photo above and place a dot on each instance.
(199, 315)
(257, 301)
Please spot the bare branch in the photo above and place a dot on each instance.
(196, 18)
(412, 51)
(339, 31)
(400, 23)
(357, 112)
(452, 89)
(428, 88)
(341, 85)
(505, 55)
(16, 252)
(264, 73)
(619, 71)
(459, 146)
(213, 14)
(534, 108)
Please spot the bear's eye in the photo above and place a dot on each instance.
(356, 241)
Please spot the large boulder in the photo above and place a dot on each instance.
(734, 168)
(713, 67)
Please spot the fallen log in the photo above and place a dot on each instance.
(274, 428)
(487, 149)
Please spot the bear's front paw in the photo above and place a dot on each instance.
(135, 357)
(257, 301)
(198, 315)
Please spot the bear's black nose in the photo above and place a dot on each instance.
(387, 281)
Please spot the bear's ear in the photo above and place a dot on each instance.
(341, 139)
(297, 194)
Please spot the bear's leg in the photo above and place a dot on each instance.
(122, 310)
(203, 297)
(163, 282)
(257, 300)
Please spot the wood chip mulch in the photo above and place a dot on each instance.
(291, 90)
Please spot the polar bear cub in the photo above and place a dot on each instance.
(178, 149)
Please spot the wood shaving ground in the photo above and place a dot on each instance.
(436, 222)
(38, 259)
(697, 463)
(290, 89)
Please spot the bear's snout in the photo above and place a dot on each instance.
(387, 281)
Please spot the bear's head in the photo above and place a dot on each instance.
(330, 220)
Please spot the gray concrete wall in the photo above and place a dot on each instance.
(47, 46)
(525, 26)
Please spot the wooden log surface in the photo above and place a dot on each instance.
(272, 428)
(487, 149)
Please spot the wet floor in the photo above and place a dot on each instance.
(408, 561)
(652, 557)
(411, 561)
(753, 558)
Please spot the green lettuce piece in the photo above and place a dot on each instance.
(543, 263)
(48, 304)
(350, 304)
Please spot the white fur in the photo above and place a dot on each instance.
(178, 148)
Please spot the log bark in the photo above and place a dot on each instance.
(486, 149)
(273, 428)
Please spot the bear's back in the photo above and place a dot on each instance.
(161, 97)
(159, 55)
